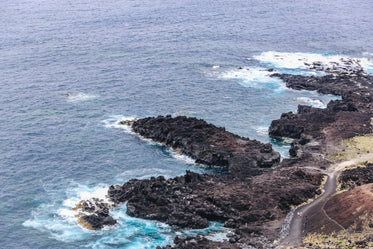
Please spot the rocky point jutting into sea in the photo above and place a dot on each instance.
(257, 191)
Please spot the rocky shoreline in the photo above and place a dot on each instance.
(253, 197)
(208, 144)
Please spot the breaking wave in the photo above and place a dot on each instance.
(315, 62)
(57, 218)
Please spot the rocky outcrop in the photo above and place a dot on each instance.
(355, 177)
(97, 220)
(199, 242)
(94, 214)
(208, 144)
(315, 129)
(193, 200)
(330, 83)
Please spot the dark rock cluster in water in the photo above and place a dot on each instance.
(94, 214)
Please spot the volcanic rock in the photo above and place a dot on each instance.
(355, 177)
(199, 242)
(316, 131)
(208, 144)
(194, 199)
(94, 214)
(98, 220)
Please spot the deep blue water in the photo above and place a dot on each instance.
(70, 69)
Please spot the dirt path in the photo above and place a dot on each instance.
(297, 224)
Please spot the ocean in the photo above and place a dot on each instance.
(69, 70)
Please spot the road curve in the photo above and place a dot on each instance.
(297, 224)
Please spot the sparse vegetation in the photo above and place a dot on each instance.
(342, 239)
(353, 147)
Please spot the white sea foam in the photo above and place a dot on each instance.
(114, 122)
(78, 97)
(254, 77)
(315, 61)
(312, 102)
(60, 220)
(248, 74)
(57, 228)
(220, 234)
(83, 192)
(184, 158)
(262, 130)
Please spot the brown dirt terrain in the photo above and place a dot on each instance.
(345, 221)
(348, 210)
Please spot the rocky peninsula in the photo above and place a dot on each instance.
(208, 144)
(257, 192)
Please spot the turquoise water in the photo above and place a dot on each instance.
(70, 69)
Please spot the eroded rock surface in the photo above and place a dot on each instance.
(94, 214)
(199, 242)
(194, 199)
(208, 144)
(355, 177)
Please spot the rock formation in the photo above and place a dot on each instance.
(351, 178)
(194, 199)
(208, 144)
(317, 131)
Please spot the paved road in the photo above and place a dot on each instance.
(297, 224)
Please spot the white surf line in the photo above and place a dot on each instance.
(316, 62)
(126, 127)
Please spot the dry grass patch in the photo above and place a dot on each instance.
(354, 147)
(342, 239)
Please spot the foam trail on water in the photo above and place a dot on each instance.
(178, 156)
(78, 97)
(114, 122)
(312, 102)
(262, 130)
(254, 77)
